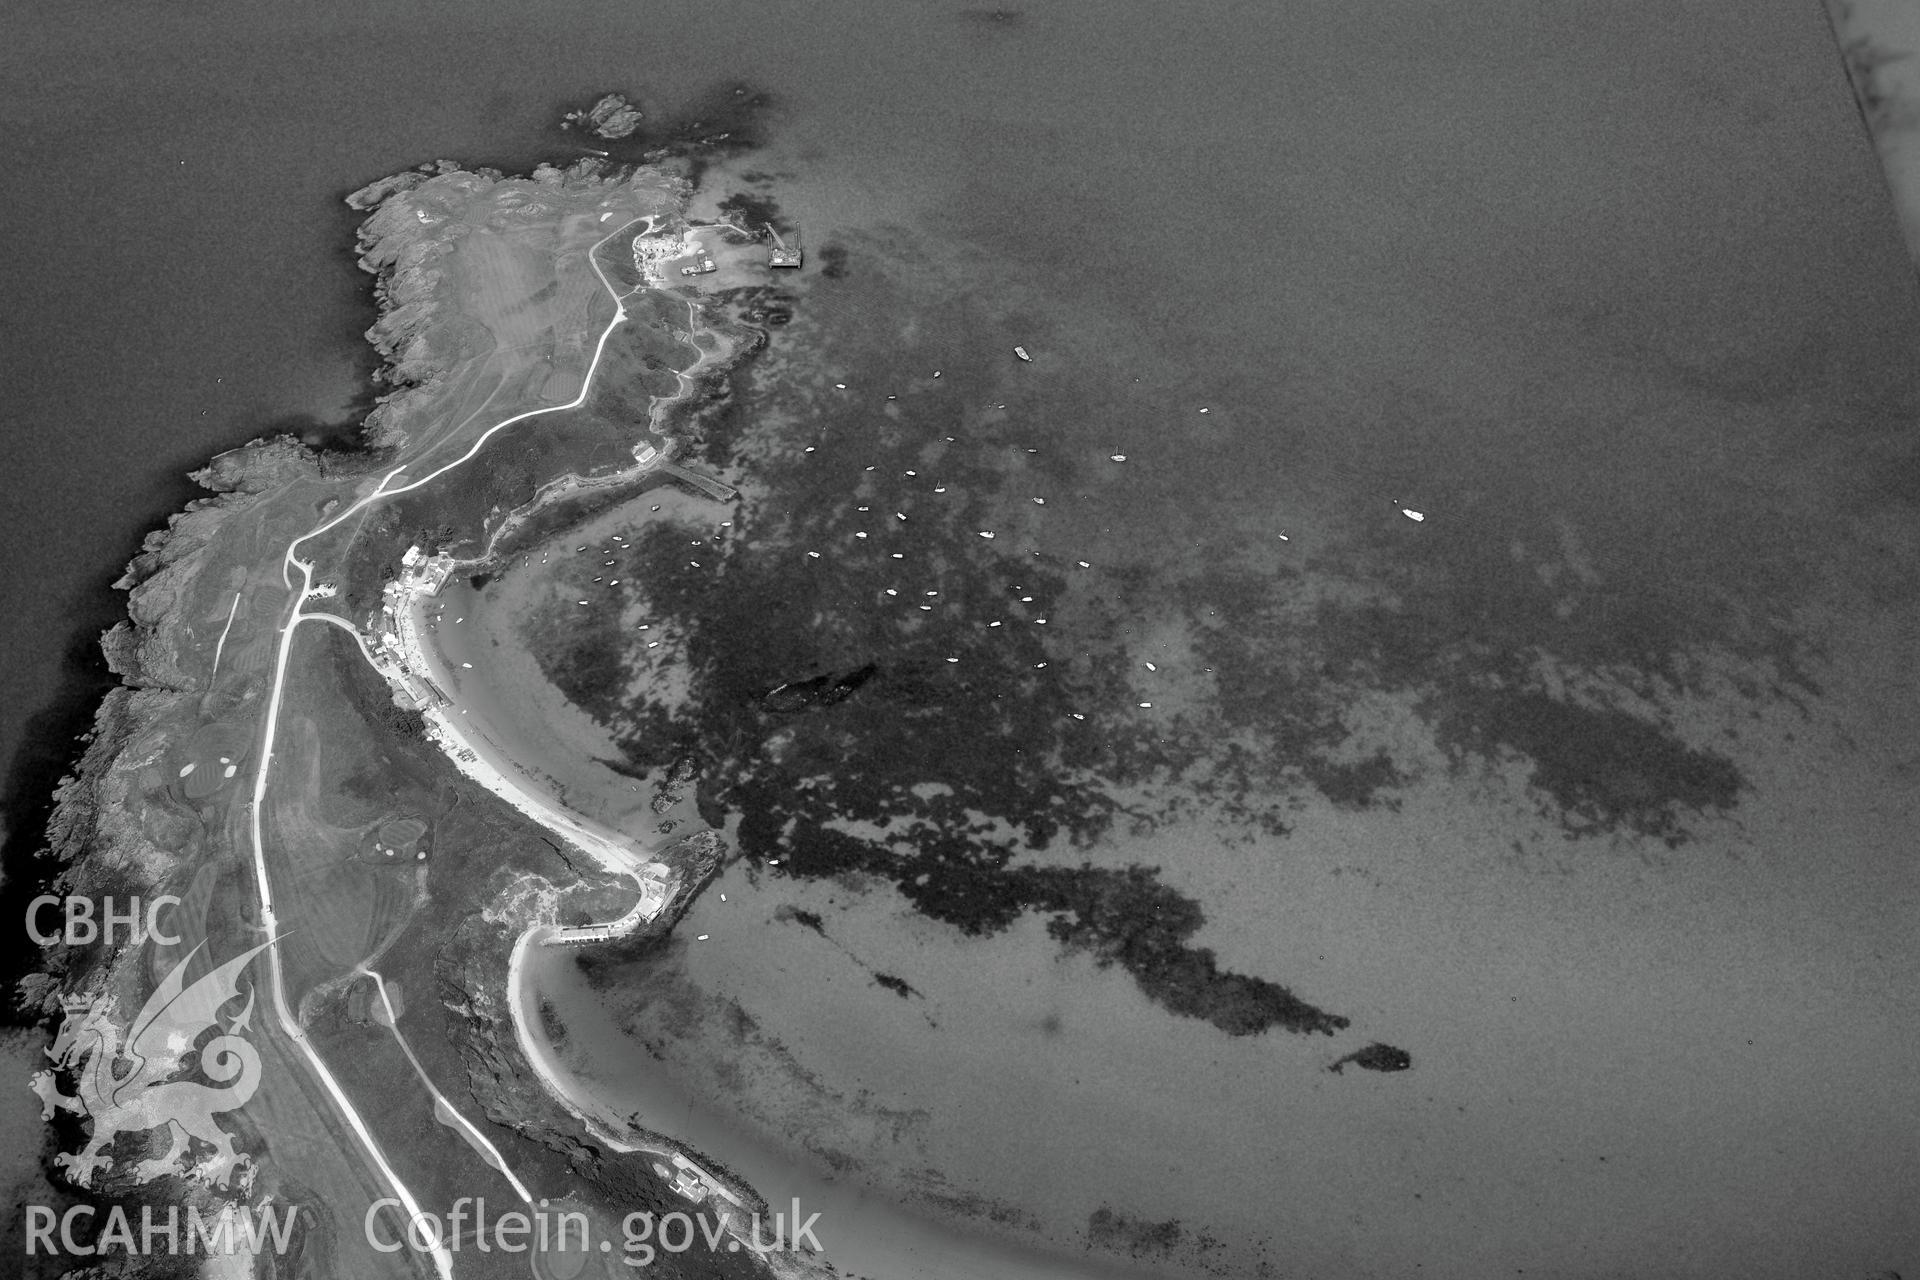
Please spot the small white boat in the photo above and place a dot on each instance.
(1022, 353)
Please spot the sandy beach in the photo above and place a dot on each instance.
(605, 1079)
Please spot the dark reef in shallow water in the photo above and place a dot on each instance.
(722, 120)
(1119, 917)
(801, 916)
(1606, 770)
(899, 986)
(879, 689)
(754, 211)
(962, 764)
(833, 261)
(1376, 1057)
(818, 691)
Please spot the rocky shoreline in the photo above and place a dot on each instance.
(105, 837)
(93, 837)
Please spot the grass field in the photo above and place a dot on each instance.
(376, 853)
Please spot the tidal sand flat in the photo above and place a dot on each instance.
(584, 1053)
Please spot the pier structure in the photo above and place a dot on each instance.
(657, 885)
(696, 1184)
(782, 254)
(718, 490)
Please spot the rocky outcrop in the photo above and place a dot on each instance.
(472, 978)
(401, 258)
(409, 228)
(142, 650)
(612, 117)
(96, 840)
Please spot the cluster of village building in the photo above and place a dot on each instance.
(396, 644)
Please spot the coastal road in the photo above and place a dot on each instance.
(293, 568)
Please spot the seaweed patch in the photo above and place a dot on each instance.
(886, 668)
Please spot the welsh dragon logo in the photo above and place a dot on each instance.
(132, 1088)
